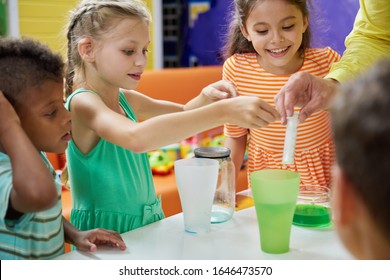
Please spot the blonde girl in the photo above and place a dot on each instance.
(110, 177)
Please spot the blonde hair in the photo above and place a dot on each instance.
(93, 18)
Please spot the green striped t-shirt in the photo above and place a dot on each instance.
(34, 235)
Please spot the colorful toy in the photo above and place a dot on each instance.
(160, 163)
(218, 141)
(188, 145)
(172, 151)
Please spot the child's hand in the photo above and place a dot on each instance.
(88, 241)
(8, 113)
(250, 112)
(213, 92)
(219, 90)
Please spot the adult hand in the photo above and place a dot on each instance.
(88, 241)
(219, 90)
(304, 90)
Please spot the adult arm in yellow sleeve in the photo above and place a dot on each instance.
(368, 42)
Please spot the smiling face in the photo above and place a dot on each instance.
(44, 117)
(120, 56)
(275, 28)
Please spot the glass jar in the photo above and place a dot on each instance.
(313, 207)
(225, 194)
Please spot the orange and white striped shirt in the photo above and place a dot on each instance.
(314, 151)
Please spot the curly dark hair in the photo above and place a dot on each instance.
(26, 63)
(361, 127)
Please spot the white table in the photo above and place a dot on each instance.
(236, 239)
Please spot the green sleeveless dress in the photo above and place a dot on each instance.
(111, 187)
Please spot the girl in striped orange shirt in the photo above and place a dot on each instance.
(268, 41)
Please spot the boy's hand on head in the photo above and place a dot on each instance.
(88, 241)
(219, 90)
(8, 113)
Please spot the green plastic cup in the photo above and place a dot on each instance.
(275, 194)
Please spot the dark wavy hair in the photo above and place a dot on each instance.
(235, 40)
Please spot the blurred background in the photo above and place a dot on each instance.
(185, 33)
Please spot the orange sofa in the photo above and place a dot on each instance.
(177, 85)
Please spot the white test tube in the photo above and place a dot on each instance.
(290, 139)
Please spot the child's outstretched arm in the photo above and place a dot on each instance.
(33, 185)
(91, 113)
(89, 240)
(211, 93)
(147, 107)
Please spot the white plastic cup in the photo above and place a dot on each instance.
(196, 180)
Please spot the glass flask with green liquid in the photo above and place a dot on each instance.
(312, 209)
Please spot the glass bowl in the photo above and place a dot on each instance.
(313, 209)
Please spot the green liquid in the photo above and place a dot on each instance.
(275, 225)
(309, 215)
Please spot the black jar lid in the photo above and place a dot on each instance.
(212, 152)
